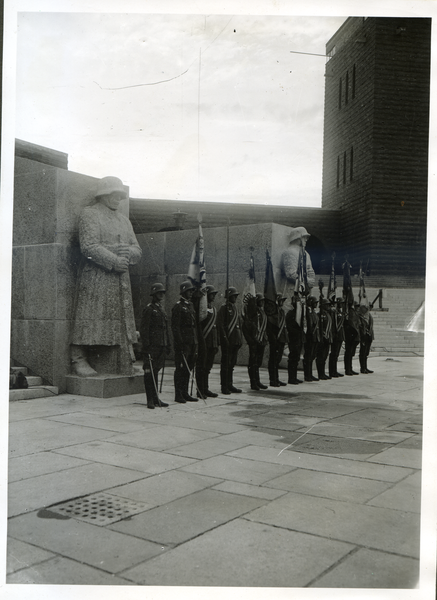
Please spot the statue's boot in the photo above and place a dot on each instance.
(80, 365)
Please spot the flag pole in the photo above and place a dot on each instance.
(227, 254)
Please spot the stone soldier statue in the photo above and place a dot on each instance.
(312, 338)
(184, 328)
(337, 337)
(255, 334)
(351, 337)
(277, 337)
(366, 336)
(296, 338)
(326, 337)
(155, 343)
(291, 259)
(103, 310)
(229, 326)
(211, 343)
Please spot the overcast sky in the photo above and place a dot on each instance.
(189, 107)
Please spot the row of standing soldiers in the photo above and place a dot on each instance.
(196, 343)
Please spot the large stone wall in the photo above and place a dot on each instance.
(47, 204)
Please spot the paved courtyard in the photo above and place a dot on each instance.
(308, 486)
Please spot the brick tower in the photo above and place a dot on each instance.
(375, 154)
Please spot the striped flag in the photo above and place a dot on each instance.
(197, 270)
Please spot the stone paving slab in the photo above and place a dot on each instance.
(206, 448)
(277, 558)
(263, 436)
(28, 555)
(404, 457)
(358, 433)
(42, 463)
(237, 469)
(195, 420)
(405, 495)
(187, 517)
(94, 546)
(164, 488)
(162, 437)
(372, 569)
(245, 489)
(329, 485)
(26, 437)
(129, 457)
(42, 491)
(87, 419)
(410, 427)
(327, 464)
(63, 571)
(363, 525)
(342, 447)
(372, 418)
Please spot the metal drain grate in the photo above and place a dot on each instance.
(99, 509)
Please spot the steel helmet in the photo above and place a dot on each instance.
(157, 287)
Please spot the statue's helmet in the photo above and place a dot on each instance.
(298, 233)
(109, 185)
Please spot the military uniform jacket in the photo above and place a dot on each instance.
(366, 327)
(262, 327)
(325, 323)
(209, 328)
(183, 323)
(229, 324)
(276, 326)
(352, 326)
(154, 326)
(313, 333)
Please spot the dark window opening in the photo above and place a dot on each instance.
(344, 167)
(351, 166)
(353, 82)
(346, 91)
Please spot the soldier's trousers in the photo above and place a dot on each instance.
(365, 344)
(310, 352)
(227, 364)
(185, 359)
(256, 355)
(321, 357)
(333, 357)
(350, 347)
(203, 369)
(276, 350)
(295, 343)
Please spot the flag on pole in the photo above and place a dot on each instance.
(332, 281)
(362, 296)
(249, 292)
(348, 294)
(270, 294)
(197, 270)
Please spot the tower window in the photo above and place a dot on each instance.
(339, 93)
(344, 167)
(353, 82)
(346, 91)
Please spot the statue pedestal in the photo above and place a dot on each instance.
(106, 386)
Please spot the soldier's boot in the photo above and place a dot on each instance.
(253, 383)
(258, 382)
(150, 390)
(224, 383)
(79, 362)
(273, 377)
(292, 375)
(321, 371)
(156, 399)
(178, 390)
(232, 388)
(365, 366)
(185, 387)
(209, 393)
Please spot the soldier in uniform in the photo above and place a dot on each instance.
(366, 337)
(255, 334)
(230, 337)
(155, 344)
(351, 337)
(296, 338)
(325, 325)
(337, 337)
(312, 338)
(277, 337)
(210, 336)
(184, 328)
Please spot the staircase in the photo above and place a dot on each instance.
(36, 388)
(391, 335)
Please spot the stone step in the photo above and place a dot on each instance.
(33, 380)
(33, 392)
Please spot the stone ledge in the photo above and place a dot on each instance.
(105, 386)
